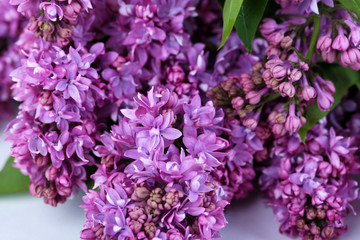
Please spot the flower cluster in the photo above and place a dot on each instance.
(55, 129)
(150, 185)
(10, 27)
(309, 186)
(340, 41)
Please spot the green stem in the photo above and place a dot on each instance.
(314, 38)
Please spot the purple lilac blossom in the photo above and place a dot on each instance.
(310, 187)
(142, 152)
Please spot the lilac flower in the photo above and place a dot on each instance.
(308, 183)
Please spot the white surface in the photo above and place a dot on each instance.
(23, 217)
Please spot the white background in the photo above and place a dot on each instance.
(23, 217)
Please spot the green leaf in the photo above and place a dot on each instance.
(249, 18)
(230, 12)
(343, 79)
(11, 179)
(352, 5)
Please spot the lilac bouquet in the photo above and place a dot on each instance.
(134, 103)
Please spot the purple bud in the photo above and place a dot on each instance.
(41, 160)
(286, 89)
(87, 234)
(278, 129)
(32, 25)
(268, 26)
(350, 57)
(311, 214)
(293, 123)
(254, 97)
(278, 72)
(286, 42)
(250, 123)
(51, 173)
(295, 75)
(175, 74)
(329, 56)
(314, 229)
(237, 103)
(324, 99)
(308, 93)
(341, 42)
(275, 38)
(46, 98)
(71, 12)
(64, 32)
(324, 43)
(328, 232)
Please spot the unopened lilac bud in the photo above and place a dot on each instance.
(274, 84)
(64, 32)
(46, 98)
(87, 234)
(324, 99)
(155, 199)
(279, 118)
(250, 123)
(237, 103)
(175, 74)
(278, 129)
(278, 72)
(272, 51)
(328, 232)
(32, 25)
(327, 85)
(46, 27)
(286, 42)
(324, 43)
(311, 214)
(303, 66)
(41, 160)
(36, 190)
(275, 38)
(254, 97)
(329, 56)
(295, 75)
(141, 193)
(248, 85)
(62, 41)
(308, 93)
(49, 192)
(135, 226)
(64, 181)
(341, 42)
(314, 229)
(350, 57)
(51, 173)
(267, 75)
(227, 85)
(268, 26)
(171, 198)
(64, 191)
(150, 229)
(293, 124)
(321, 213)
(263, 132)
(257, 67)
(286, 89)
(300, 223)
(72, 11)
